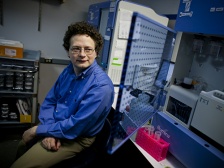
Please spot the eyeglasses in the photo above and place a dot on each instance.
(77, 50)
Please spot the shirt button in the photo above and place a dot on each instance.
(56, 110)
(70, 91)
(65, 101)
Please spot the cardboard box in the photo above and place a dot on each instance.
(12, 49)
(25, 118)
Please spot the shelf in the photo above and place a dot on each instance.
(9, 122)
(18, 89)
(12, 92)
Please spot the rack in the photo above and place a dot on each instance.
(18, 88)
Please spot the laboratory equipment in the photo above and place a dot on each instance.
(137, 53)
(208, 117)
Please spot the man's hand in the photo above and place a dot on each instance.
(51, 143)
(29, 134)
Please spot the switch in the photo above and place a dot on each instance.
(46, 60)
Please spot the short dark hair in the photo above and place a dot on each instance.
(82, 28)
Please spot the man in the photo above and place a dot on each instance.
(75, 108)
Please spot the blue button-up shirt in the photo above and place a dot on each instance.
(76, 105)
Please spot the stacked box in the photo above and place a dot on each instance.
(12, 49)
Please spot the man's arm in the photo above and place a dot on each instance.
(29, 134)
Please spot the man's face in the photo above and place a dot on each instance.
(82, 52)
